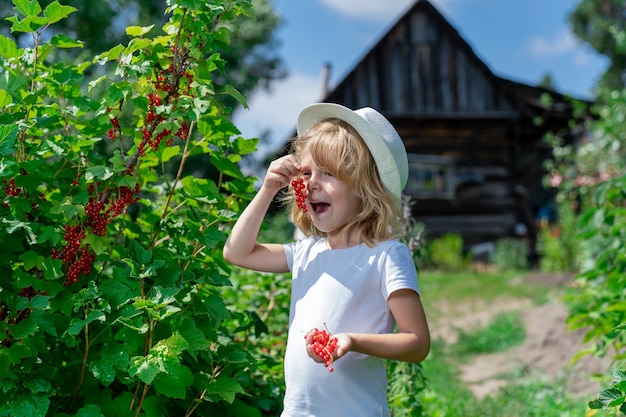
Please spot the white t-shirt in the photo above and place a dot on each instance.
(345, 290)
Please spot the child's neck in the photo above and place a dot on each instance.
(341, 240)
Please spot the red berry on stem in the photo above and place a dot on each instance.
(298, 189)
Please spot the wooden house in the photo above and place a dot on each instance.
(475, 140)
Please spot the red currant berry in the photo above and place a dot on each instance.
(324, 345)
(298, 189)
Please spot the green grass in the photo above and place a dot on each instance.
(463, 286)
(505, 331)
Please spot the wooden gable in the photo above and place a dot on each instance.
(423, 67)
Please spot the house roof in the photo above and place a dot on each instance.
(423, 67)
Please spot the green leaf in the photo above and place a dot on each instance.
(193, 335)
(28, 24)
(27, 7)
(226, 166)
(214, 306)
(138, 30)
(13, 83)
(200, 187)
(26, 327)
(225, 387)
(39, 302)
(69, 76)
(44, 320)
(232, 354)
(98, 172)
(36, 384)
(55, 12)
(64, 41)
(99, 244)
(15, 225)
(619, 376)
(175, 382)
(234, 93)
(48, 234)
(52, 269)
(142, 256)
(110, 55)
(76, 326)
(145, 368)
(223, 35)
(18, 351)
(245, 146)
(169, 152)
(53, 147)
(68, 210)
(112, 356)
(595, 404)
(171, 347)
(103, 372)
(90, 410)
(31, 260)
(117, 291)
(163, 296)
(95, 315)
(8, 47)
(8, 136)
(213, 236)
(611, 397)
(31, 406)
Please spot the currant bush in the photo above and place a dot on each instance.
(111, 272)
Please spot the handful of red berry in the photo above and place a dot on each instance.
(324, 344)
(298, 189)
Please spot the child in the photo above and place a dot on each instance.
(349, 276)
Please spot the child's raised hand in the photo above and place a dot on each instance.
(280, 172)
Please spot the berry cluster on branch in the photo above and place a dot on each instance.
(11, 190)
(102, 207)
(99, 211)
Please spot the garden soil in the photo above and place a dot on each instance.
(547, 352)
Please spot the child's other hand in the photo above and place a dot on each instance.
(342, 345)
(280, 173)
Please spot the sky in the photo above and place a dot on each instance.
(520, 40)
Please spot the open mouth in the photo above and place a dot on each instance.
(319, 207)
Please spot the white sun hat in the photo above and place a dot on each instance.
(379, 135)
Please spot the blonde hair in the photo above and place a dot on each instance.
(336, 147)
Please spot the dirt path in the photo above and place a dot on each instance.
(546, 352)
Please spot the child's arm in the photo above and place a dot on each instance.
(241, 247)
(411, 343)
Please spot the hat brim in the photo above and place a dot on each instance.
(388, 169)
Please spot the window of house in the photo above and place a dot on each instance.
(431, 176)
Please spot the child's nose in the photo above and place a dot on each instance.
(312, 182)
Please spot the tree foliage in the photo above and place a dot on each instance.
(252, 60)
(601, 23)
